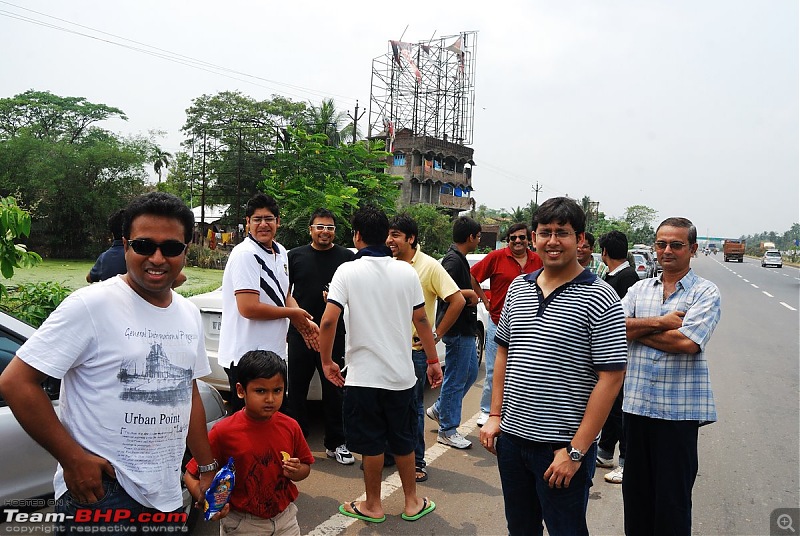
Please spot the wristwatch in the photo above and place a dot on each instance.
(211, 467)
(574, 454)
(436, 338)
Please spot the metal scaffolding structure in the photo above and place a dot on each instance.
(427, 87)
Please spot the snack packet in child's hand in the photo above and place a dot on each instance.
(219, 492)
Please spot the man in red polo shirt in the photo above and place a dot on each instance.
(500, 267)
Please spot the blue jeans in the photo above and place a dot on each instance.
(527, 497)
(421, 371)
(489, 354)
(460, 372)
(114, 509)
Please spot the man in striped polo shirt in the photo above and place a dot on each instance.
(559, 366)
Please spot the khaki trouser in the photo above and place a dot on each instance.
(242, 523)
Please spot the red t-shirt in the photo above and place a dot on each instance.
(501, 268)
(260, 489)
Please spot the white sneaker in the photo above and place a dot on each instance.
(432, 413)
(482, 419)
(615, 476)
(454, 440)
(341, 454)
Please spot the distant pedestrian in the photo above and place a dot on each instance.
(667, 387)
(311, 268)
(621, 276)
(500, 267)
(112, 261)
(382, 296)
(461, 352)
(560, 362)
(587, 260)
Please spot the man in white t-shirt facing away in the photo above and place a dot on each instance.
(381, 296)
(257, 306)
(128, 351)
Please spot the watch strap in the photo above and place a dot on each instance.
(213, 466)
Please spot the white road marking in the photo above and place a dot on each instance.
(767, 293)
(788, 306)
(754, 286)
(337, 523)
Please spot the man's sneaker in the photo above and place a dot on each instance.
(482, 418)
(615, 476)
(341, 454)
(432, 413)
(605, 463)
(454, 440)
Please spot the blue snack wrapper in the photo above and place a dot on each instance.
(219, 492)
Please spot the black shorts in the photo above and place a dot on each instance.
(375, 418)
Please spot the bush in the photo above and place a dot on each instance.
(203, 257)
(33, 302)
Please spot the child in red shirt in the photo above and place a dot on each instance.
(268, 450)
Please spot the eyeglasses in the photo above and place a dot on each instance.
(262, 219)
(584, 246)
(560, 234)
(320, 227)
(145, 246)
(674, 246)
(514, 238)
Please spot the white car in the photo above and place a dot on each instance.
(772, 257)
(210, 305)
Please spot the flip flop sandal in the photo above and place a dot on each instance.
(427, 508)
(358, 515)
(422, 474)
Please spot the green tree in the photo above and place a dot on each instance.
(71, 172)
(15, 223)
(326, 119)
(311, 174)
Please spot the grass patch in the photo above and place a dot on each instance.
(72, 274)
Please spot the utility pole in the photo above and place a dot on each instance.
(536, 189)
(355, 120)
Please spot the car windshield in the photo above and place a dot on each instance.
(773, 254)
(639, 259)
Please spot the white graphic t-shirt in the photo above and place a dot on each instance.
(127, 368)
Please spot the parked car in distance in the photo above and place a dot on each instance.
(772, 257)
(27, 469)
(640, 265)
(650, 262)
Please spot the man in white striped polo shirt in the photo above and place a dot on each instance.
(560, 363)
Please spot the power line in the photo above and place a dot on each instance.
(161, 53)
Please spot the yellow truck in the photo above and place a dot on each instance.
(733, 250)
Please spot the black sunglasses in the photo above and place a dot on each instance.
(145, 246)
(514, 238)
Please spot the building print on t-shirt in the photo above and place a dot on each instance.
(155, 380)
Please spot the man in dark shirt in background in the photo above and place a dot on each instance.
(311, 268)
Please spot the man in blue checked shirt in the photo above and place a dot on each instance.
(667, 389)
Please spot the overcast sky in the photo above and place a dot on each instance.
(687, 106)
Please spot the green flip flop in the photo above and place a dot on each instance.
(427, 508)
(358, 515)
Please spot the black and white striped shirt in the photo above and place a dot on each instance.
(555, 346)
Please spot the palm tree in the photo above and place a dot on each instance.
(162, 160)
(325, 119)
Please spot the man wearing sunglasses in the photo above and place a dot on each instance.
(668, 395)
(257, 305)
(128, 351)
(311, 268)
(501, 267)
